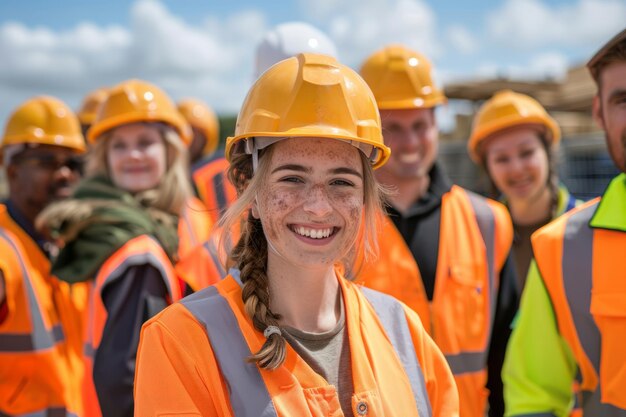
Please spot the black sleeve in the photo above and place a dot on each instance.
(130, 301)
(506, 308)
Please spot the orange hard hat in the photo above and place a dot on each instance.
(505, 110)
(137, 101)
(311, 95)
(44, 120)
(202, 117)
(401, 79)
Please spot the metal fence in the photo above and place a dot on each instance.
(585, 166)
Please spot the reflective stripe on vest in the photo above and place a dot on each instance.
(39, 338)
(577, 262)
(469, 362)
(220, 193)
(210, 248)
(142, 258)
(251, 398)
(392, 317)
(49, 412)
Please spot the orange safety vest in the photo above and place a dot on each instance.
(583, 270)
(213, 187)
(202, 266)
(194, 226)
(475, 238)
(40, 365)
(396, 369)
(140, 250)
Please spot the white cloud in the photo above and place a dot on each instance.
(359, 27)
(212, 61)
(531, 23)
(462, 40)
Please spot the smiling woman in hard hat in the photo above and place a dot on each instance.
(514, 139)
(119, 232)
(285, 334)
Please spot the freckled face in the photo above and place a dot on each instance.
(310, 205)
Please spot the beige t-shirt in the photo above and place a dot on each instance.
(328, 354)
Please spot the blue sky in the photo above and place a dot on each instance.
(206, 48)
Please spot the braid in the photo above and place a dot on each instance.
(250, 256)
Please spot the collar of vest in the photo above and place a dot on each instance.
(611, 213)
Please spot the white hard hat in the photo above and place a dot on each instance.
(289, 39)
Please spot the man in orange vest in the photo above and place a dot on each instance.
(208, 165)
(573, 314)
(40, 345)
(446, 249)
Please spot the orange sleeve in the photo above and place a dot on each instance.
(440, 385)
(172, 378)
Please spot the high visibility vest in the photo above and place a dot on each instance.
(202, 266)
(583, 269)
(142, 250)
(389, 359)
(40, 365)
(475, 238)
(213, 187)
(194, 226)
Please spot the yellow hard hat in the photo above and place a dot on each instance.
(89, 107)
(202, 117)
(44, 120)
(401, 79)
(507, 109)
(310, 95)
(137, 101)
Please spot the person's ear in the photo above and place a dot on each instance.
(596, 111)
(254, 209)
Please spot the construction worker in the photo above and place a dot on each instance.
(284, 334)
(89, 108)
(444, 250)
(119, 233)
(573, 311)
(205, 127)
(515, 141)
(40, 338)
(205, 265)
(196, 219)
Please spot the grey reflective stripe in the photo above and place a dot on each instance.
(220, 192)
(89, 350)
(39, 338)
(49, 412)
(577, 280)
(487, 225)
(593, 407)
(577, 264)
(393, 319)
(248, 394)
(209, 246)
(467, 362)
(143, 258)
